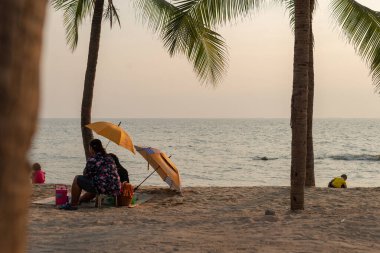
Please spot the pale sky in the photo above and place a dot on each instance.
(137, 79)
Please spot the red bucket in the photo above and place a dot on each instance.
(60, 194)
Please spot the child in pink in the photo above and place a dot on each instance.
(38, 175)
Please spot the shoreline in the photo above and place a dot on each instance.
(214, 219)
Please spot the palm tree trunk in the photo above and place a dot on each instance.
(310, 177)
(21, 25)
(89, 80)
(299, 103)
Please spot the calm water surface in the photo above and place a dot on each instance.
(220, 152)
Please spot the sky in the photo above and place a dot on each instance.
(136, 78)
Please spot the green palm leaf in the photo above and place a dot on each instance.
(361, 27)
(154, 13)
(216, 12)
(74, 13)
(111, 13)
(289, 6)
(185, 33)
(189, 32)
(204, 47)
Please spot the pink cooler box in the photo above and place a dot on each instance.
(60, 194)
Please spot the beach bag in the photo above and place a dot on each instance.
(61, 197)
(126, 194)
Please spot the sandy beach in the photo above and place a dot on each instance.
(215, 219)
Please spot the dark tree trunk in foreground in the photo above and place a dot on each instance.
(21, 24)
(310, 177)
(299, 103)
(89, 81)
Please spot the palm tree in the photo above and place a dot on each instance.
(20, 44)
(359, 24)
(310, 176)
(299, 104)
(361, 27)
(89, 80)
(214, 12)
(74, 12)
(203, 47)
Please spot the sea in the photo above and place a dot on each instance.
(219, 152)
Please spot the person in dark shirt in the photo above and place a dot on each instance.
(123, 173)
(99, 177)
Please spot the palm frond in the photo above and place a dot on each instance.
(217, 12)
(74, 13)
(189, 31)
(185, 33)
(204, 47)
(155, 13)
(289, 6)
(111, 13)
(361, 27)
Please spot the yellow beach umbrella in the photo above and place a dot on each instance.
(163, 165)
(113, 133)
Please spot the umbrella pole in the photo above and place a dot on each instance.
(109, 140)
(146, 179)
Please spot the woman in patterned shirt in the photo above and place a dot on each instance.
(99, 176)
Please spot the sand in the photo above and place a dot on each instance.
(215, 219)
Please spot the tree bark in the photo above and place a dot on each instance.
(299, 103)
(89, 81)
(310, 177)
(21, 25)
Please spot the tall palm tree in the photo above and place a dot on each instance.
(20, 45)
(74, 12)
(214, 12)
(361, 27)
(359, 24)
(310, 175)
(203, 47)
(89, 81)
(299, 102)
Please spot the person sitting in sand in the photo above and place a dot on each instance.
(123, 173)
(38, 175)
(99, 176)
(338, 182)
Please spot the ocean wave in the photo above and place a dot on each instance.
(351, 157)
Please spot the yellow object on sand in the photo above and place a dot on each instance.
(338, 182)
(163, 165)
(114, 133)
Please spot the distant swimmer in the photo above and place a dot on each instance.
(339, 182)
